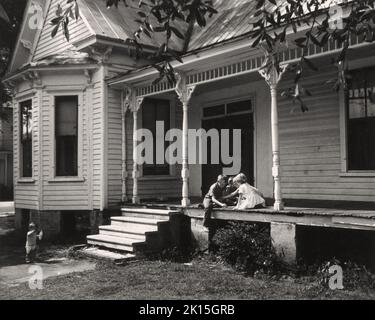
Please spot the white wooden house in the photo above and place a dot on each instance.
(82, 100)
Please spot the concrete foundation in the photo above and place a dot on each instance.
(52, 224)
(283, 236)
(200, 236)
(96, 220)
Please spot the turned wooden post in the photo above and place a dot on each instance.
(273, 75)
(184, 93)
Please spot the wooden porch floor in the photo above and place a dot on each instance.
(305, 216)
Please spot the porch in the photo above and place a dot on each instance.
(293, 230)
(358, 219)
(295, 155)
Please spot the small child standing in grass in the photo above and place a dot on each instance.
(31, 242)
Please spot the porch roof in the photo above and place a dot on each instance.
(231, 21)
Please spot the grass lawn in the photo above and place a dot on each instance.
(203, 279)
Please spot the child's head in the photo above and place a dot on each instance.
(240, 179)
(32, 226)
(222, 181)
(230, 181)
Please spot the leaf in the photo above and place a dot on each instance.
(77, 12)
(54, 30)
(142, 14)
(259, 4)
(177, 33)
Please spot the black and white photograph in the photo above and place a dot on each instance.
(187, 150)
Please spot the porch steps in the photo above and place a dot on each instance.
(159, 214)
(137, 230)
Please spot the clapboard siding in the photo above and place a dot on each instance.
(114, 152)
(47, 45)
(25, 194)
(310, 147)
(97, 136)
(63, 195)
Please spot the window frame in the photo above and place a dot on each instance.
(52, 113)
(344, 125)
(19, 126)
(172, 122)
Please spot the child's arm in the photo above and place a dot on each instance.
(214, 200)
(232, 195)
(40, 235)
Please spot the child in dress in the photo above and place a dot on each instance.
(31, 246)
(248, 196)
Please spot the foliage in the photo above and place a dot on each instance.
(318, 22)
(248, 247)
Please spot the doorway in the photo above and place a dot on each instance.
(237, 115)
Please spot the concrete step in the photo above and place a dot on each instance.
(119, 231)
(117, 243)
(101, 254)
(159, 214)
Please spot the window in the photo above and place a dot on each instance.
(244, 106)
(66, 135)
(156, 110)
(360, 98)
(214, 111)
(26, 129)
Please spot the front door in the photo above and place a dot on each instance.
(244, 122)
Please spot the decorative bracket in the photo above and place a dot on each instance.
(271, 70)
(33, 77)
(12, 88)
(184, 92)
(88, 77)
(131, 101)
(100, 55)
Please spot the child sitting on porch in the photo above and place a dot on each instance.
(248, 196)
(213, 199)
(31, 245)
(229, 189)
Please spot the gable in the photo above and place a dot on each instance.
(46, 45)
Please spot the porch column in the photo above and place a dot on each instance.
(273, 75)
(126, 104)
(184, 93)
(134, 103)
